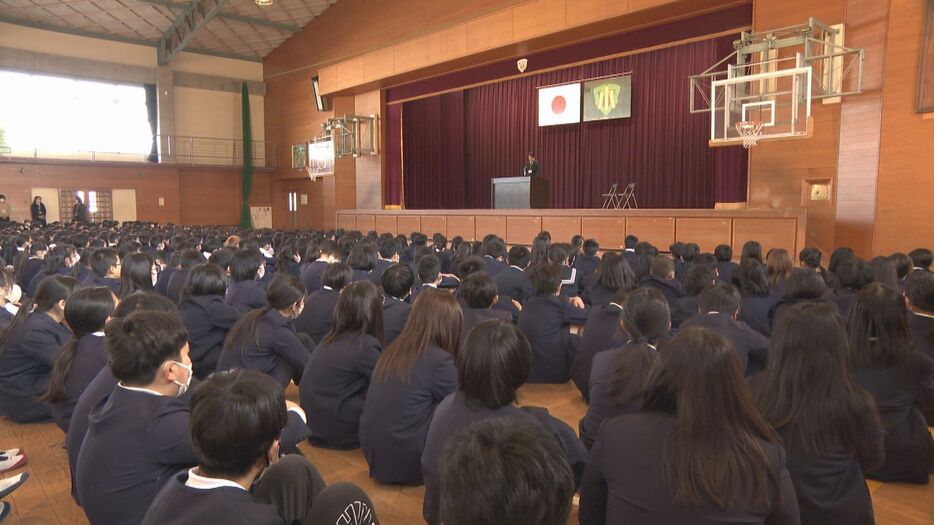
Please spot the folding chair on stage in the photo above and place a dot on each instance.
(628, 197)
(612, 199)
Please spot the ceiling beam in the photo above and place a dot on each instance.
(121, 39)
(185, 27)
(181, 6)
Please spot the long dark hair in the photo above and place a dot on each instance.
(878, 328)
(359, 311)
(52, 289)
(714, 457)
(752, 250)
(435, 319)
(136, 274)
(614, 272)
(284, 291)
(86, 312)
(646, 318)
(808, 396)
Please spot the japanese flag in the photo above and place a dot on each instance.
(559, 105)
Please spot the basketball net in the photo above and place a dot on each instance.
(749, 130)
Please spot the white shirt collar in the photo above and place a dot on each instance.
(516, 267)
(430, 285)
(99, 334)
(10, 307)
(328, 288)
(137, 389)
(205, 483)
(321, 260)
(617, 305)
(630, 250)
(919, 314)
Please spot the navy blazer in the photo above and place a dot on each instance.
(725, 271)
(93, 397)
(922, 333)
(752, 348)
(208, 319)
(275, 350)
(396, 415)
(571, 282)
(493, 266)
(162, 282)
(843, 299)
(473, 317)
(755, 312)
(30, 268)
(334, 386)
(454, 414)
(360, 275)
(395, 315)
(622, 485)
(178, 504)
(135, 442)
(685, 308)
(595, 294)
(514, 283)
(376, 275)
(545, 321)
(671, 289)
(586, 264)
(26, 366)
(632, 258)
(899, 391)
(246, 295)
(315, 319)
(114, 284)
(90, 358)
(311, 276)
(602, 408)
(602, 332)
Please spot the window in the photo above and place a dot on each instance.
(62, 115)
(99, 203)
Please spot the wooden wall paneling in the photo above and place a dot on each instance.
(347, 221)
(386, 224)
(405, 225)
(368, 168)
(610, 232)
(366, 223)
(522, 230)
(562, 228)
(409, 55)
(378, 64)
(463, 225)
(209, 197)
(706, 233)
(351, 72)
(447, 44)
(660, 231)
(771, 233)
(537, 18)
(490, 31)
(486, 225)
(432, 224)
(580, 12)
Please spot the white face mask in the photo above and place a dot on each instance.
(261, 272)
(15, 295)
(183, 387)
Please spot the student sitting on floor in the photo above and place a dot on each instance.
(725, 264)
(513, 281)
(388, 255)
(236, 420)
(328, 253)
(477, 295)
(803, 286)
(186, 261)
(491, 367)
(545, 320)
(106, 265)
(697, 452)
(829, 426)
(411, 378)
(852, 276)
(612, 273)
(604, 330)
(334, 385)
(29, 348)
(207, 317)
(246, 291)
(586, 263)
(899, 377)
(84, 355)
(757, 300)
(920, 297)
(397, 281)
(501, 472)
(265, 339)
(662, 278)
(428, 271)
(618, 375)
(719, 307)
(315, 320)
(697, 278)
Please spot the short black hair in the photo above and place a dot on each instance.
(388, 248)
(920, 290)
(504, 471)
(921, 258)
(361, 258)
(244, 265)
(470, 265)
(811, 257)
(478, 290)
(495, 361)
(519, 256)
(144, 302)
(397, 280)
(697, 278)
(854, 274)
(557, 254)
(545, 278)
(329, 247)
(804, 284)
(139, 343)
(235, 418)
(429, 267)
(630, 242)
(723, 298)
(336, 275)
(206, 279)
(102, 259)
(189, 258)
(661, 266)
(723, 252)
(591, 247)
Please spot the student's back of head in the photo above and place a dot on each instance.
(591, 247)
(854, 274)
(921, 258)
(697, 278)
(429, 269)
(478, 290)
(359, 311)
(470, 265)
(495, 361)
(877, 325)
(662, 267)
(614, 272)
(920, 291)
(519, 256)
(721, 298)
(723, 253)
(397, 280)
(245, 264)
(810, 258)
(752, 250)
(630, 242)
(838, 257)
(104, 261)
(503, 472)
(236, 417)
(141, 343)
(545, 279)
(804, 284)
(336, 276)
(206, 279)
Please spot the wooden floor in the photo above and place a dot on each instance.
(46, 496)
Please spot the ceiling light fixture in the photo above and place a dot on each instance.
(263, 2)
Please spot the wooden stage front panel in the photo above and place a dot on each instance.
(708, 228)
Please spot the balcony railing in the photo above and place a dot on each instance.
(173, 149)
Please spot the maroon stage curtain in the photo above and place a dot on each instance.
(451, 155)
(392, 181)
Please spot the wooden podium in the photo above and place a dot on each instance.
(519, 193)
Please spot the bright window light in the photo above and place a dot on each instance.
(64, 115)
(92, 202)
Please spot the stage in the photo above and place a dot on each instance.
(708, 228)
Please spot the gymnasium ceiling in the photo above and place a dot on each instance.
(235, 28)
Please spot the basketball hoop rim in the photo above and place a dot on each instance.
(749, 131)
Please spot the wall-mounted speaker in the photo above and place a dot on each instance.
(321, 102)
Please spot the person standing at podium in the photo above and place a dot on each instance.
(530, 169)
